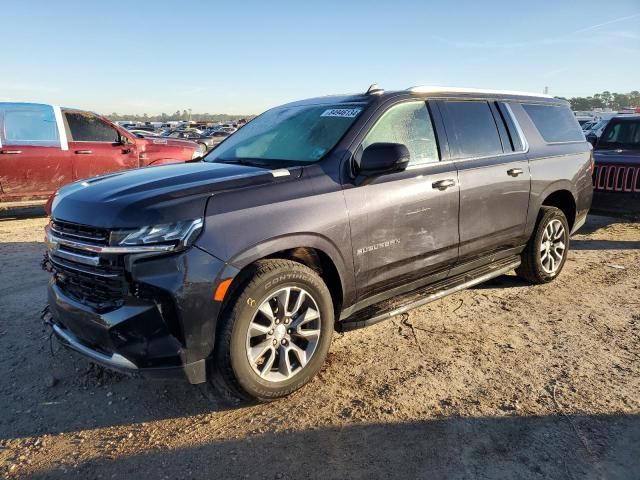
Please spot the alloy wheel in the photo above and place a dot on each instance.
(553, 246)
(283, 334)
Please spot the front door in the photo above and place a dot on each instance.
(34, 161)
(96, 146)
(404, 226)
(493, 171)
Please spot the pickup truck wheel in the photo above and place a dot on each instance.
(276, 332)
(546, 251)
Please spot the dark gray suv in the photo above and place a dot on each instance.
(326, 214)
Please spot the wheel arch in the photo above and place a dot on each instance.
(314, 251)
(564, 200)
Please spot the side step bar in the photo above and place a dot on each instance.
(377, 313)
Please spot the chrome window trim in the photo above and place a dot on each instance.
(62, 132)
(523, 139)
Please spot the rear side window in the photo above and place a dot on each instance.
(409, 124)
(85, 127)
(472, 129)
(556, 124)
(26, 124)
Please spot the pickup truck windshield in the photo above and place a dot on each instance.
(301, 134)
(623, 135)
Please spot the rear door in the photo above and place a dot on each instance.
(96, 146)
(493, 171)
(34, 160)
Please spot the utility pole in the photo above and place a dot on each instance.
(546, 90)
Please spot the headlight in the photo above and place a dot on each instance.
(181, 234)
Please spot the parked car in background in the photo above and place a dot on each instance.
(595, 130)
(328, 213)
(616, 176)
(587, 125)
(194, 135)
(43, 147)
(144, 133)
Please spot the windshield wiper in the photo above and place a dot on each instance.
(242, 161)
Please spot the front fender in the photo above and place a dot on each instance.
(298, 240)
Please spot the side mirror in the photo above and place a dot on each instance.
(382, 159)
(592, 138)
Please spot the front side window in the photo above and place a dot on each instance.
(29, 124)
(555, 124)
(300, 133)
(472, 128)
(621, 135)
(409, 124)
(86, 127)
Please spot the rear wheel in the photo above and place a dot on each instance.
(546, 251)
(276, 334)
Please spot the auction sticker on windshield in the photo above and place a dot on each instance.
(341, 112)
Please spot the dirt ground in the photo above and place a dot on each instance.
(505, 380)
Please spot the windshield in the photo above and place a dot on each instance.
(622, 135)
(302, 134)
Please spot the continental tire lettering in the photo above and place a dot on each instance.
(288, 277)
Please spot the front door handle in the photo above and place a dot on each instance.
(514, 172)
(444, 184)
(83, 152)
(11, 152)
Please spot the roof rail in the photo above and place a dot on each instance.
(435, 89)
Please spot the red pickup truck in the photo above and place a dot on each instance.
(43, 147)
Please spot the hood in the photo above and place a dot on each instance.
(617, 157)
(153, 195)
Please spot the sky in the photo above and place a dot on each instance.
(242, 57)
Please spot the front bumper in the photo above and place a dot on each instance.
(165, 326)
(616, 203)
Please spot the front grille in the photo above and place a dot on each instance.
(616, 178)
(89, 287)
(94, 280)
(72, 231)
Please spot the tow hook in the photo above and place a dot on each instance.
(46, 316)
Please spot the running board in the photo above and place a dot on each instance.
(397, 305)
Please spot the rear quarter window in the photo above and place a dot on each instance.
(25, 124)
(556, 124)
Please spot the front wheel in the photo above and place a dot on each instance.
(546, 251)
(276, 332)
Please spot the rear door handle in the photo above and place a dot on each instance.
(10, 152)
(514, 172)
(444, 184)
(83, 152)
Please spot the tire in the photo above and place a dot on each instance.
(535, 267)
(301, 340)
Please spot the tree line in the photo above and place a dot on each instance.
(606, 99)
(177, 116)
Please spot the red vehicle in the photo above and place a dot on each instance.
(43, 147)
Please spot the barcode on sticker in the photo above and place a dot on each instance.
(341, 112)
